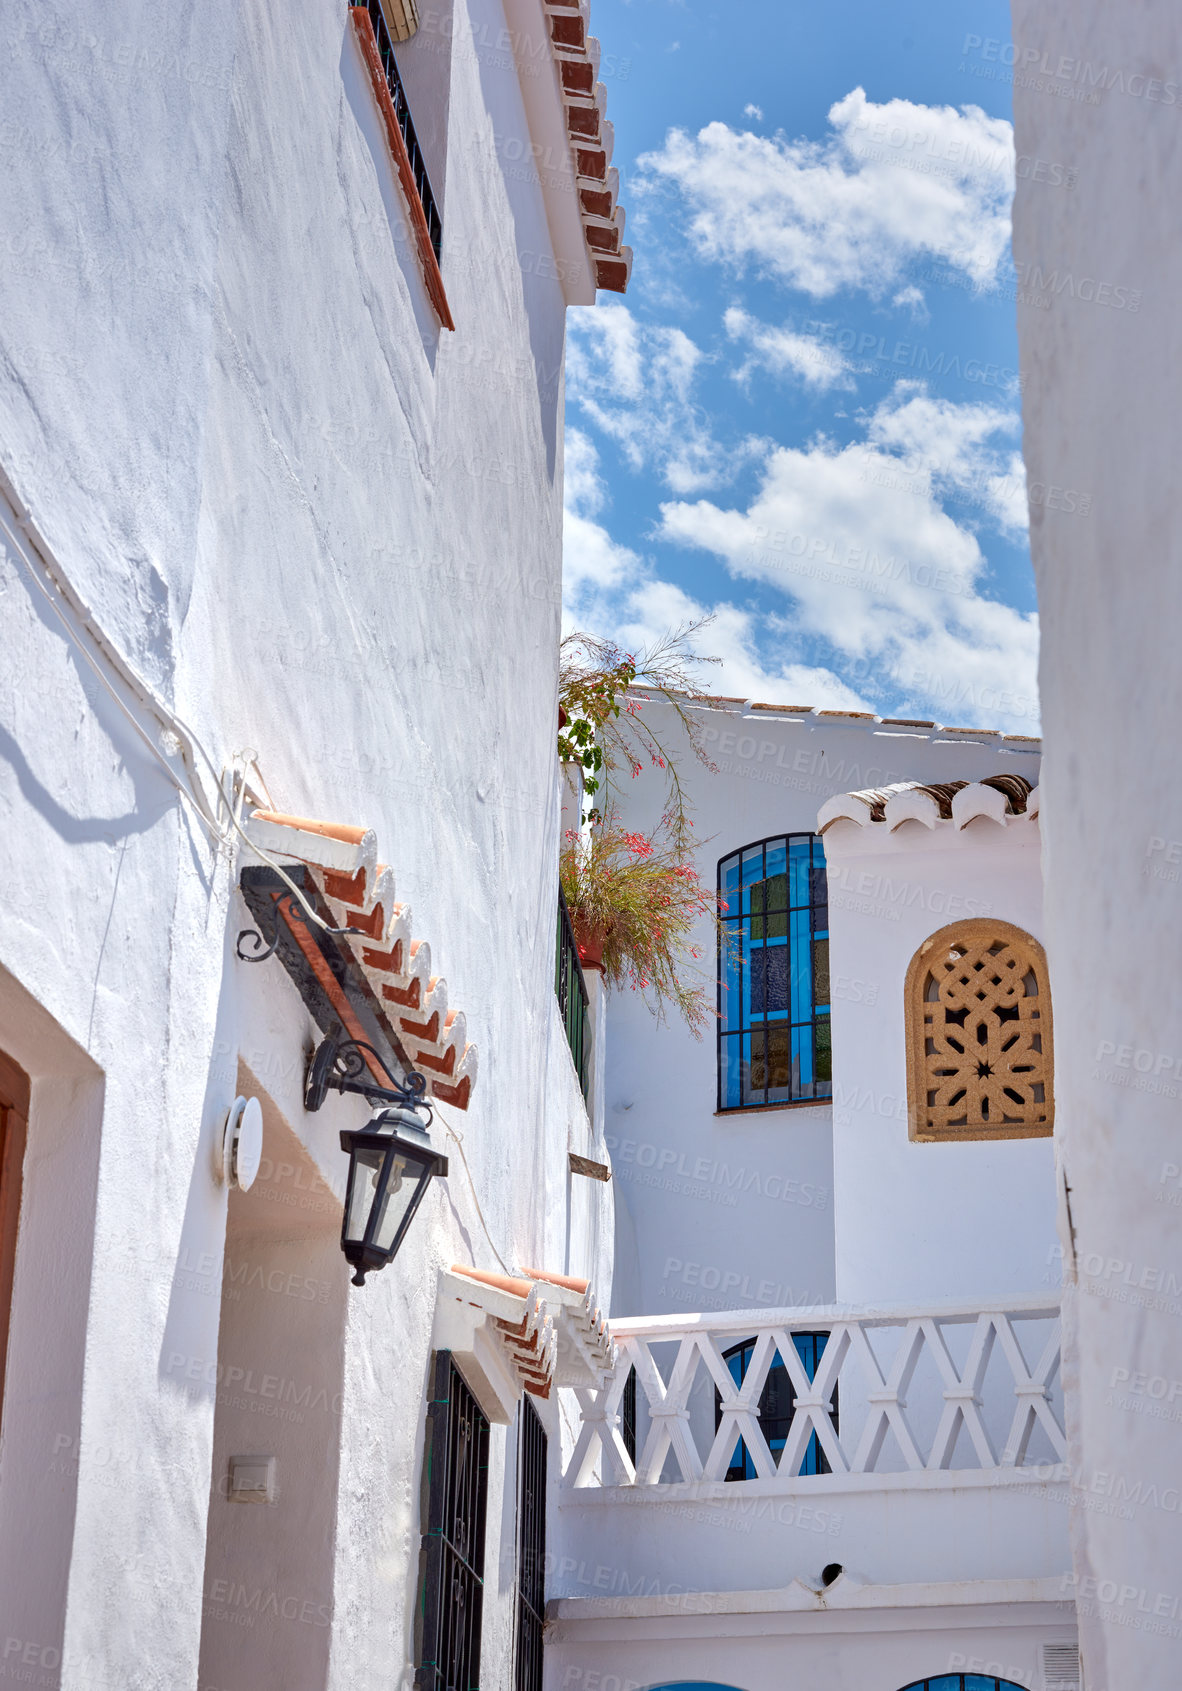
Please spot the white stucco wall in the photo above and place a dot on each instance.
(326, 530)
(921, 1223)
(765, 1648)
(1101, 343)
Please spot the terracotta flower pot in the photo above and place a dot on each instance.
(589, 942)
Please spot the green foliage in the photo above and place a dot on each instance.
(603, 729)
(643, 902)
(589, 698)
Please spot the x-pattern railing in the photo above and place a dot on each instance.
(700, 1432)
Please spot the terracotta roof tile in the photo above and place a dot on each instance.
(999, 797)
(709, 701)
(360, 894)
(591, 138)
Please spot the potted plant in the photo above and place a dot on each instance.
(634, 905)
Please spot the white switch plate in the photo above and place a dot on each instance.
(252, 1479)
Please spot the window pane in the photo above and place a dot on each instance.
(776, 892)
(802, 1061)
(732, 984)
(778, 1063)
(802, 969)
(824, 1050)
(752, 865)
(821, 970)
(769, 981)
(819, 885)
(729, 883)
(751, 1087)
(732, 1089)
(770, 1066)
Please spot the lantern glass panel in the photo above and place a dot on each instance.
(365, 1174)
(406, 1172)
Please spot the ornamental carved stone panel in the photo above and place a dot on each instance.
(979, 1053)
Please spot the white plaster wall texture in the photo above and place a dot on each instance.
(728, 1538)
(763, 1651)
(1099, 89)
(737, 1210)
(926, 1223)
(328, 531)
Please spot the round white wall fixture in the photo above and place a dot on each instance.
(242, 1143)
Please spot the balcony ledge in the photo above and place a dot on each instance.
(1049, 1480)
(847, 1595)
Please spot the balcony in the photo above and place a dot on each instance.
(922, 1445)
(571, 991)
(925, 1398)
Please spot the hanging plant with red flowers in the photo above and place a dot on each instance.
(603, 726)
(637, 907)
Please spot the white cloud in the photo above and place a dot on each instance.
(593, 564)
(784, 352)
(891, 183)
(945, 449)
(608, 589)
(732, 636)
(635, 382)
(753, 111)
(911, 298)
(872, 567)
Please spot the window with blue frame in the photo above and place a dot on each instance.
(963, 1682)
(773, 978)
(776, 1405)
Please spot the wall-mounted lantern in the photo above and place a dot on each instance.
(391, 1159)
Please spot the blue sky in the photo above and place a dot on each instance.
(804, 415)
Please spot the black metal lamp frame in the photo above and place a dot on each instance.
(345, 1066)
(386, 1136)
(342, 1066)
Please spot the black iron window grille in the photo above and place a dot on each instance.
(531, 1550)
(402, 113)
(773, 979)
(571, 989)
(456, 1475)
(777, 1405)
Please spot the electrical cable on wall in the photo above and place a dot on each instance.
(189, 747)
(458, 1138)
(190, 750)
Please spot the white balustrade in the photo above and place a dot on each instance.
(897, 1394)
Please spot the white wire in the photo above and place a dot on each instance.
(196, 798)
(452, 1133)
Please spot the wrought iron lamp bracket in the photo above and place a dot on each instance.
(343, 1066)
(255, 945)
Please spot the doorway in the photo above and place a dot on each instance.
(268, 1593)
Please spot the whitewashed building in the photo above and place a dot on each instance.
(841, 1458)
(282, 298)
(1099, 85)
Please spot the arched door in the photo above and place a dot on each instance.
(962, 1682)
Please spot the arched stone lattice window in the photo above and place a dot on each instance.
(979, 1055)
